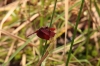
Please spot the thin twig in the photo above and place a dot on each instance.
(66, 22)
(91, 15)
(25, 23)
(43, 58)
(16, 37)
(96, 24)
(10, 51)
(7, 15)
(23, 62)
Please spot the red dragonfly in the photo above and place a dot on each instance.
(45, 33)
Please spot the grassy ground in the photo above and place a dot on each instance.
(20, 18)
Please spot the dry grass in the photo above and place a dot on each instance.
(18, 19)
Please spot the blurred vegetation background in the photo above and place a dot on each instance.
(20, 18)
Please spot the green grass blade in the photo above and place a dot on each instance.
(75, 30)
(97, 8)
(74, 5)
(17, 51)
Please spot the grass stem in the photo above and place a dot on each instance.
(75, 30)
